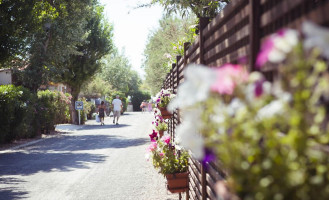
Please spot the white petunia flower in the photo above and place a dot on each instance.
(316, 36)
(235, 105)
(271, 109)
(280, 93)
(191, 139)
(196, 87)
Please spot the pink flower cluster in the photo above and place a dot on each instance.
(152, 147)
(227, 77)
(166, 139)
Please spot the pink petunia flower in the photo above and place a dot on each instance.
(226, 78)
(166, 139)
(162, 154)
(262, 57)
(276, 46)
(152, 147)
(154, 135)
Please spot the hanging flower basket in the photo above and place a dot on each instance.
(177, 182)
(165, 113)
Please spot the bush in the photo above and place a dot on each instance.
(137, 98)
(53, 108)
(17, 113)
(88, 109)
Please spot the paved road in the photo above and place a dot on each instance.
(94, 162)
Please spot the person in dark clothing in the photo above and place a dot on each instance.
(101, 112)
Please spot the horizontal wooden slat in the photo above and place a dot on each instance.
(195, 172)
(227, 43)
(196, 184)
(224, 15)
(231, 58)
(229, 29)
(194, 56)
(210, 193)
(278, 11)
(193, 48)
(214, 174)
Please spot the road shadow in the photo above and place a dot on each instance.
(72, 142)
(99, 127)
(25, 163)
(11, 192)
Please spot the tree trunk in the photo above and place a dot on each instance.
(74, 114)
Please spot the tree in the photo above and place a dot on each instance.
(96, 87)
(117, 72)
(16, 24)
(80, 68)
(44, 34)
(201, 8)
(159, 53)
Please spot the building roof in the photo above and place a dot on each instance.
(5, 69)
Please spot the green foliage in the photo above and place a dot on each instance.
(137, 98)
(49, 33)
(17, 113)
(96, 88)
(162, 48)
(16, 24)
(53, 108)
(88, 109)
(166, 159)
(161, 126)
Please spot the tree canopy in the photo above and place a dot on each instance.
(162, 48)
(39, 36)
(117, 71)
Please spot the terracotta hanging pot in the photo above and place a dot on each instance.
(165, 113)
(177, 182)
(161, 133)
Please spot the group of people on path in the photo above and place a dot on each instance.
(117, 106)
(146, 106)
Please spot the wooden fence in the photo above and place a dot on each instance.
(234, 36)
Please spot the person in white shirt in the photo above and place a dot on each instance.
(117, 106)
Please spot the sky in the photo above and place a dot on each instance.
(132, 27)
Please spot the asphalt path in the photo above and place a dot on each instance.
(87, 162)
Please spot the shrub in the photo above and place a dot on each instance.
(88, 108)
(17, 113)
(53, 108)
(137, 97)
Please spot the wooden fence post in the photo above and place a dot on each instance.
(203, 23)
(255, 35)
(186, 46)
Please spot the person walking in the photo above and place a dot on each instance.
(117, 106)
(150, 106)
(143, 106)
(101, 112)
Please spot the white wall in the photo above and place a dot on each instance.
(5, 77)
